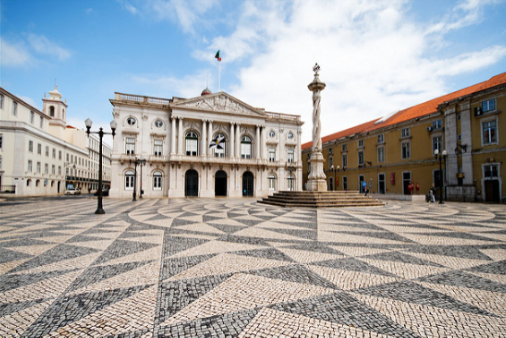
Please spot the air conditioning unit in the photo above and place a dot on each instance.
(478, 111)
(429, 129)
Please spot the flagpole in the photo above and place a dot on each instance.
(219, 76)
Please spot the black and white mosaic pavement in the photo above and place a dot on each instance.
(235, 268)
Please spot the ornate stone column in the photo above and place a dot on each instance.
(257, 141)
(231, 150)
(238, 140)
(180, 137)
(203, 151)
(317, 179)
(173, 137)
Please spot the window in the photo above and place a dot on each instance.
(381, 138)
(272, 182)
(59, 170)
(67, 157)
(1, 101)
(1, 140)
(217, 151)
(345, 183)
(291, 183)
(38, 168)
(29, 167)
(290, 135)
(129, 180)
(438, 124)
(131, 121)
(30, 146)
(406, 150)
(360, 143)
(47, 151)
(158, 123)
(345, 147)
(272, 154)
(345, 160)
(130, 145)
(245, 147)
(192, 144)
(405, 132)
(331, 162)
(41, 122)
(32, 117)
(158, 148)
(489, 132)
(308, 163)
(360, 158)
(51, 111)
(53, 169)
(14, 108)
(437, 143)
(157, 180)
(272, 133)
(488, 105)
(491, 170)
(39, 149)
(59, 154)
(46, 168)
(54, 153)
(381, 154)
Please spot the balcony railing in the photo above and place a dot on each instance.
(141, 99)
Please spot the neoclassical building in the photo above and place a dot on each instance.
(207, 146)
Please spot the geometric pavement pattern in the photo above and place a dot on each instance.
(235, 268)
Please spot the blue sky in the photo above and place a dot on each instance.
(376, 57)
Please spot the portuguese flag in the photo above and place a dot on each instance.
(217, 56)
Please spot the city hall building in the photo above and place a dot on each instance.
(207, 146)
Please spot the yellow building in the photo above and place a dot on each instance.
(388, 154)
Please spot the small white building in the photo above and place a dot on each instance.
(256, 152)
(40, 154)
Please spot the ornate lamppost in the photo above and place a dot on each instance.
(334, 170)
(137, 162)
(440, 157)
(101, 133)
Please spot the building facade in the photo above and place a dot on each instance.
(39, 153)
(207, 146)
(387, 155)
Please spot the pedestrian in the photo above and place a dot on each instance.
(417, 188)
(410, 188)
(432, 194)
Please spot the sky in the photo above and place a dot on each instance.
(376, 56)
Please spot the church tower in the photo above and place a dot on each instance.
(55, 108)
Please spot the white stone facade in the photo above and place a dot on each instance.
(261, 152)
(39, 153)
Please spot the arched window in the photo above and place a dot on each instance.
(28, 182)
(129, 180)
(51, 111)
(157, 180)
(192, 143)
(37, 183)
(245, 147)
(220, 149)
(272, 182)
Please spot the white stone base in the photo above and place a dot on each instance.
(317, 185)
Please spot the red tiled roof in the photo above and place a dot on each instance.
(420, 110)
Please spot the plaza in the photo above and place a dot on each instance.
(234, 268)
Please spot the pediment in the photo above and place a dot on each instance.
(219, 102)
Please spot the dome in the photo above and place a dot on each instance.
(206, 92)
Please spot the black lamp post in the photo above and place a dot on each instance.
(101, 133)
(137, 162)
(334, 170)
(440, 157)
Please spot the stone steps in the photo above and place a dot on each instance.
(323, 199)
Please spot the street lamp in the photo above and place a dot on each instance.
(137, 162)
(440, 157)
(101, 133)
(334, 170)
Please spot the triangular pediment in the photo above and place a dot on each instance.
(219, 102)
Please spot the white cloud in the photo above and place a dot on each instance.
(30, 101)
(43, 45)
(131, 9)
(373, 58)
(13, 54)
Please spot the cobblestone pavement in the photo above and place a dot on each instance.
(235, 268)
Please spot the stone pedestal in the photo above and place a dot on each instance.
(317, 178)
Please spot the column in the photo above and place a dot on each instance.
(180, 137)
(262, 146)
(257, 141)
(173, 137)
(232, 143)
(203, 150)
(238, 141)
(298, 150)
(210, 130)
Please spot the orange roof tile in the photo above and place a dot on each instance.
(419, 110)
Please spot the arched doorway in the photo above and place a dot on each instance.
(191, 183)
(247, 184)
(220, 183)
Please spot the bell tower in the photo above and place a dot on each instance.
(55, 108)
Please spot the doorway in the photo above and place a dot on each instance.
(191, 183)
(220, 183)
(492, 193)
(406, 179)
(247, 184)
(381, 183)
